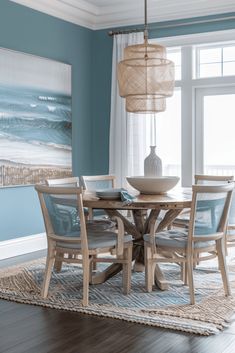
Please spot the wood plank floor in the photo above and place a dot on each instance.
(32, 329)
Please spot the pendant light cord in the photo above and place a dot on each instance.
(145, 15)
(145, 29)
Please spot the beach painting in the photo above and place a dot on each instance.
(35, 119)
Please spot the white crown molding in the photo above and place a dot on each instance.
(22, 245)
(78, 12)
(101, 14)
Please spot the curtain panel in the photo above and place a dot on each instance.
(129, 133)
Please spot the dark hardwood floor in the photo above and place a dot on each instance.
(33, 329)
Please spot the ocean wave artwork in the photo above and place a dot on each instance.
(35, 119)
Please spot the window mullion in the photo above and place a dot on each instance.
(187, 126)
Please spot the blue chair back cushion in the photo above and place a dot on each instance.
(64, 219)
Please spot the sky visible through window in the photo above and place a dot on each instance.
(219, 130)
(168, 135)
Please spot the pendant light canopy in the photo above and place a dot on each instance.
(145, 76)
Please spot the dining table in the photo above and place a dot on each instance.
(138, 216)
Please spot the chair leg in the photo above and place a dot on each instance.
(126, 271)
(189, 266)
(148, 268)
(196, 260)
(58, 263)
(226, 248)
(86, 276)
(94, 264)
(48, 270)
(90, 213)
(222, 266)
(184, 273)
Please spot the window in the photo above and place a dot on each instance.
(207, 107)
(215, 60)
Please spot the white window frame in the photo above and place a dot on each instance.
(189, 85)
(216, 45)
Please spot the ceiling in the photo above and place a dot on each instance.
(99, 14)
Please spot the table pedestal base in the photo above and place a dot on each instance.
(141, 226)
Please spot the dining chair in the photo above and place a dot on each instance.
(75, 182)
(204, 179)
(67, 182)
(94, 182)
(201, 179)
(97, 182)
(68, 235)
(212, 179)
(182, 246)
(92, 225)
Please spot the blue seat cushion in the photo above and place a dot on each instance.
(95, 240)
(176, 238)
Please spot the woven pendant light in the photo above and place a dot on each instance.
(145, 76)
(145, 104)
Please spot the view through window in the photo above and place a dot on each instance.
(217, 131)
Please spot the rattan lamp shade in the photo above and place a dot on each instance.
(138, 51)
(145, 104)
(151, 76)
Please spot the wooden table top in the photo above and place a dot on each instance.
(176, 198)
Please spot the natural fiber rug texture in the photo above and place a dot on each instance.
(168, 309)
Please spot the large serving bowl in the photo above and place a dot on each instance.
(152, 185)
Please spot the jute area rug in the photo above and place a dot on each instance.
(169, 309)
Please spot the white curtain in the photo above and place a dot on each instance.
(129, 133)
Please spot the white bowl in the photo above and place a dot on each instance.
(153, 185)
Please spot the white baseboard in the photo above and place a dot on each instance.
(22, 245)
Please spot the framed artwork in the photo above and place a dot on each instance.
(35, 119)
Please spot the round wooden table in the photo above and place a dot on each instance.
(145, 209)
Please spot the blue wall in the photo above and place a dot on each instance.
(101, 93)
(90, 54)
(29, 31)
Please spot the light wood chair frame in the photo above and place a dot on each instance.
(63, 181)
(123, 250)
(218, 178)
(230, 238)
(86, 178)
(155, 254)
